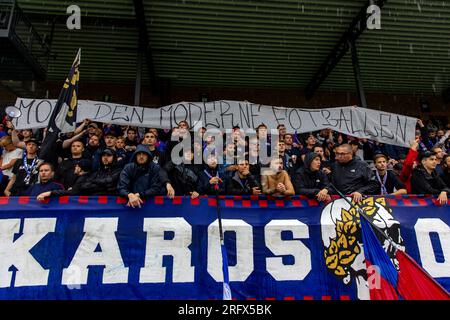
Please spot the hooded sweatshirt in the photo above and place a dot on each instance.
(307, 182)
(143, 179)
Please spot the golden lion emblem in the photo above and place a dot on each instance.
(344, 248)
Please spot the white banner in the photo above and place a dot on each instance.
(381, 126)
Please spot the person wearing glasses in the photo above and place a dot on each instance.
(425, 179)
(352, 176)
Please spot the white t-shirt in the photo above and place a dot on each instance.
(8, 156)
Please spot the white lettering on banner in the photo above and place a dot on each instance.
(359, 122)
(99, 234)
(423, 229)
(302, 255)
(244, 250)
(99, 247)
(17, 253)
(157, 247)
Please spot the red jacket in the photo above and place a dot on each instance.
(406, 174)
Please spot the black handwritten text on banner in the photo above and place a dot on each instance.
(359, 122)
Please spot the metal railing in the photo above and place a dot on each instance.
(15, 25)
(6, 13)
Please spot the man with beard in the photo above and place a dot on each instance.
(276, 181)
(92, 146)
(140, 178)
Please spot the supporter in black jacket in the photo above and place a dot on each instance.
(104, 180)
(446, 168)
(351, 176)
(243, 182)
(182, 178)
(310, 180)
(100, 182)
(425, 180)
(212, 178)
(65, 173)
(140, 178)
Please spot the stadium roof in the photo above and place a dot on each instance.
(244, 43)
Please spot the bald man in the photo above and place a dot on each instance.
(352, 176)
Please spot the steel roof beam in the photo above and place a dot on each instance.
(356, 28)
(144, 44)
(37, 17)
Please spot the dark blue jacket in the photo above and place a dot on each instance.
(142, 179)
(39, 188)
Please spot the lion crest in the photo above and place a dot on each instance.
(341, 235)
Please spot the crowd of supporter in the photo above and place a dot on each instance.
(135, 163)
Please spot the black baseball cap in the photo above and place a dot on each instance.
(33, 140)
(108, 151)
(85, 165)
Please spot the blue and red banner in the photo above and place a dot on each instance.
(294, 249)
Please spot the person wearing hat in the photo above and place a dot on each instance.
(104, 180)
(25, 170)
(110, 140)
(310, 181)
(425, 179)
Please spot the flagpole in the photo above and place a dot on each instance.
(223, 250)
(363, 214)
(66, 95)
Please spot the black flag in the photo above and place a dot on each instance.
(63, 117)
